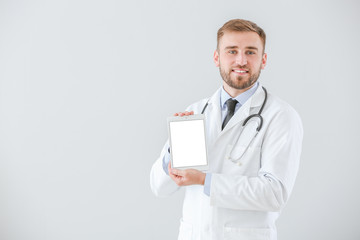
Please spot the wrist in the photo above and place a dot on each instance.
(202, 178)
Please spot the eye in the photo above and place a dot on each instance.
(250, 52)
(232, 52)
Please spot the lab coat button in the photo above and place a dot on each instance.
(239, 163)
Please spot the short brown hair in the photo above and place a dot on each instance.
(241, 25)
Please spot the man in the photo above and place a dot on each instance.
(252, 173)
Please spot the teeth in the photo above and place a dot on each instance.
(239, 71)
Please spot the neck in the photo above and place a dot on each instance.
(234, 92)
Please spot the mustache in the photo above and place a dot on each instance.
(242, 66)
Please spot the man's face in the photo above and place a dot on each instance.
(240, 59)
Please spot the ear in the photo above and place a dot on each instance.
(216, 58)
(263, 61)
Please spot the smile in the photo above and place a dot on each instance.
(241, 71)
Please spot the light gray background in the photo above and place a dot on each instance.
(78, 79)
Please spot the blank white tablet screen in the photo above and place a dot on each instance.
(188, 146)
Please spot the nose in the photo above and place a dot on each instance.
(241, 59)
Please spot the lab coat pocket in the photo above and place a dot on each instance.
(243, 160)
(234, 233)
(185, 231)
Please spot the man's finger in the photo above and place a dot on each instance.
(174, 171)
(178, 172)
(184, 113)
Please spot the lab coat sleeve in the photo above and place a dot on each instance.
(161, 184)
(270, 189)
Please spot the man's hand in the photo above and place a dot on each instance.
(186, 177)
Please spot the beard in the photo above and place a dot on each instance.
(240, 82)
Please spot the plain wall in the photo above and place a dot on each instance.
(86, 86)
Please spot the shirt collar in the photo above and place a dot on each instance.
(241, 98)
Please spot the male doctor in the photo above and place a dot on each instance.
(251, 175)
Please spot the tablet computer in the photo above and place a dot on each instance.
(188, 142)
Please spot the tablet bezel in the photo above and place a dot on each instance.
(189, 118)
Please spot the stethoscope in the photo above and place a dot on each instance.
(249, 141)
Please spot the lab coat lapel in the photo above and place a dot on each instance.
(214, 113)
(244, 111)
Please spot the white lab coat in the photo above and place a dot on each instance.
(246, 197)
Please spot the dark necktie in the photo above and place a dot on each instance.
(230, 103)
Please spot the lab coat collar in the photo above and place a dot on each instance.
(254, 101)
(241, 98)
(215, 111)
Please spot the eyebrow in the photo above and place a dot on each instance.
(234, 47)
(231, 47)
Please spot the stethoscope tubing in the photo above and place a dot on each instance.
(251, 116)
(259, 113)
(256, 115)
